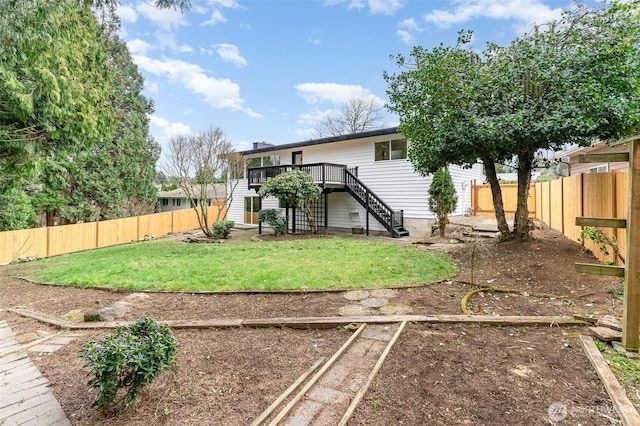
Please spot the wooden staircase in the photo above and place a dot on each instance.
(392, 220)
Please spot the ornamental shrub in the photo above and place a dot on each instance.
(129, 358)
(273, 218)
(222, 229)
(442, 197)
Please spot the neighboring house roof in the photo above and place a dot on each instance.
(218, 190)
(573, 152)
(263, 147)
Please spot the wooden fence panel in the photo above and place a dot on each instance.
(598, 192)
(545, 189)
(483, 200)
(538, 187)
(622, 198)
(71, 238)
(184, 220)
(117, 231)
(572, 205)
(556, 213)
(158, 224)
(23, 243)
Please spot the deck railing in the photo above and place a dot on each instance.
(322, 173)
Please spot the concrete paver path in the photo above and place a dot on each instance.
(25, 396)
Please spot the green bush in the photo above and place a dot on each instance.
(129, 358)
(222, 229)
(272, 217)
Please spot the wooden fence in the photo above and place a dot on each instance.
(557, 203)
(560, 201)
(55, 240)
(482, 200)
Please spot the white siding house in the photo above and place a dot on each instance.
(177, 199)
(377, 158)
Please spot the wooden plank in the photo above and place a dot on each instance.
(603, 222)
(621, 402)
(363, 390)
(594, 269)
(319, 322)
(614, 157)
(631, 312)
(316, 377)
(266, 413)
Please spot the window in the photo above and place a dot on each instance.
(178, 202)
(391, 150)
(266, 161)
(165, 201)
(600, 168)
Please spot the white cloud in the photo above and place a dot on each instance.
(229, 4)
(385, 7)
(216, 16)
(406, 28)
(382, 7)
(151, 86)
(522, 11)
(138, 47)
(168, 129)
(333, 92)
(127, 13)
(230, 53)
(218, 93)
(185, 48)
(165, 19)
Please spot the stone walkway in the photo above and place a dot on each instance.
(25, 395)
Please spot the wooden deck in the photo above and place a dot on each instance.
(25, 396)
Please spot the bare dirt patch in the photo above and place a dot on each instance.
(438, 374)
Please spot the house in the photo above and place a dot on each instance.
(366, 179)
(178, 200)
(571, 157)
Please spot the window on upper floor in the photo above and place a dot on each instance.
(391, 150)
(264, 161)
(600, 168)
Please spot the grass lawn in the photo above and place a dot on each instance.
(288, 265)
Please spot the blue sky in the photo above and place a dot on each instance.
(266, 70)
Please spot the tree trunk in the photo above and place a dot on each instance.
(496, 192)
(521, 221)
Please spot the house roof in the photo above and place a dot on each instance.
(219, 190)
(574, 152)
(341, 138)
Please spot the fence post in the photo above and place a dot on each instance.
(631, 315)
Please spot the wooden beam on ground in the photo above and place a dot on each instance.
(595, 269)
(363, 390)
(623, 406)
(317, 322)
(602, 222)
(631, 314)
(266, 413)
(316, 377)
(614, 157)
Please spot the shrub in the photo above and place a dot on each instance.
(273, 218)
(442, 197)
(222, 229)
(129, 358)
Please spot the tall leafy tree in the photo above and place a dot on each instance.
(443, 98)
(54, 84)
(570, 81)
